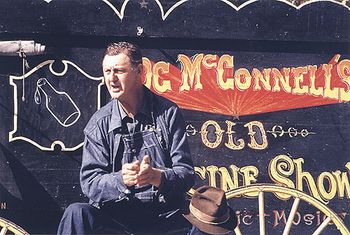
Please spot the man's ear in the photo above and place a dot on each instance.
(140, 68)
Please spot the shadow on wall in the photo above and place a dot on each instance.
(23, 200)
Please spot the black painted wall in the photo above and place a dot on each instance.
(37, 185)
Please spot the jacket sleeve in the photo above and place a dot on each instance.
(97, 181)
(178, 178)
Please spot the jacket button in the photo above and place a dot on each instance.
(133, 150)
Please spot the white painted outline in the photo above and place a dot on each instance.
(312, 1)
(239, 7)
(120, 13)
(15, 103)
(164, 16)
(59, 93)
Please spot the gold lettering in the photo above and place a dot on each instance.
(328, 91)
(250, 174)
(200, 171)
(343, 70)
(332, 189)
(227, 181)
(343, 182)
(209, 61)
(191, 72)
(230, 143)
(264, 79)
(229, 83)
(212, 170)
(299, 78)
(254, 135)
(301, 175)
(280, 79)
(280, 168)
(218, 134)
(147, 67)
(165, 85)
(313, 90)
(243, 74)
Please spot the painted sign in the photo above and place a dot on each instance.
(55, 110)
(263, 86)
(252, 121)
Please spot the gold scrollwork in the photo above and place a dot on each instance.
(278, 131)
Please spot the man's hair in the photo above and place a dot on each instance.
(129, 49)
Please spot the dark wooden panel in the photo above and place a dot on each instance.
(38, 184)
(319, 21)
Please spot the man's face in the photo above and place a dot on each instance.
(122, 79)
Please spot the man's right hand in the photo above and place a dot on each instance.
(129, 173)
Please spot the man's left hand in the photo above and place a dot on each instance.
(148, 174)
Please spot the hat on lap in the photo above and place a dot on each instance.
(209, 212)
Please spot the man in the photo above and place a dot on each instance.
(136, 165)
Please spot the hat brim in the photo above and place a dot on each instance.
(223, 228)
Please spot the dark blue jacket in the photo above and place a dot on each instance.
(100, 176)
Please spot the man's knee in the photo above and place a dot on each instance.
(79, 209)
(78, 218)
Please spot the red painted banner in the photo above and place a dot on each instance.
(210, 83)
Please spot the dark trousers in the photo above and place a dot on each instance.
(121, 218)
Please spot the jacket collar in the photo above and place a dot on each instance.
(116, 121)
(117, 115)
(147, 103)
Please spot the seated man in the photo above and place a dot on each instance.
(136, 165)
